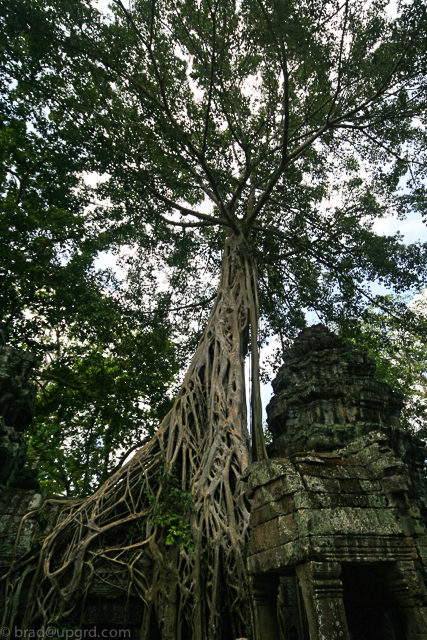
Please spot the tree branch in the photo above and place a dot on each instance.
(333, 267)
(339, 61)
(183, 210)
(284, 65)
(380, 144)
(211, 80)
(52, 378)
(336, 122)
(192, 224)
(276, 175)
(182, 133)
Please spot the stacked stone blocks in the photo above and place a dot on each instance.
(343, 493)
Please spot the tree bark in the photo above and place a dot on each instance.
(197, 589)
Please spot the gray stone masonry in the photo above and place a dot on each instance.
(343, 494)
(17, 398)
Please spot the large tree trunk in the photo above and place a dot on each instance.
(195, 587)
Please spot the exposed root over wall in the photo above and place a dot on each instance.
(190, 573)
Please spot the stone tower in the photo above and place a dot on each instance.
(338, 543)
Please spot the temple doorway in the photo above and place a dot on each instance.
(371, 612)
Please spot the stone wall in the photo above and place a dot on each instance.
(339, 511)
(17, 399)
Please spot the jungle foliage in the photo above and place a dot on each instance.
(105, 366)
(400, 356)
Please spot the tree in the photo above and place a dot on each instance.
(49, 244)
(98, 401)
(271, 111)
(98, 381)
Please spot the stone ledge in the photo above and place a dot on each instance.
(373, 549)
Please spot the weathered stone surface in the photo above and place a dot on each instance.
(13, 451)
(17, 398)
(316, 484)
(370, 549)
(347, 521)
(347, 489)
(362, 442)
(326, 615)
(17, 392)
(329, 386)
(330, 501)
(277, 489)
(273, 533)
(273, 509)
(14, 504)
(258, 474)
(274, 560)
(369, 486)
(395, 484)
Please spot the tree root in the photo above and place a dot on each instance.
(202, 448)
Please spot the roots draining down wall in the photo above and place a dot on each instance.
(170, 526)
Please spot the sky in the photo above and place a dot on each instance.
(413, 229)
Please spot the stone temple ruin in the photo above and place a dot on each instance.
(338, 536)
(17, 398)
(338, 540)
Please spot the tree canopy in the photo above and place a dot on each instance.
(104, 365)
(301, 123)
(400, 358)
